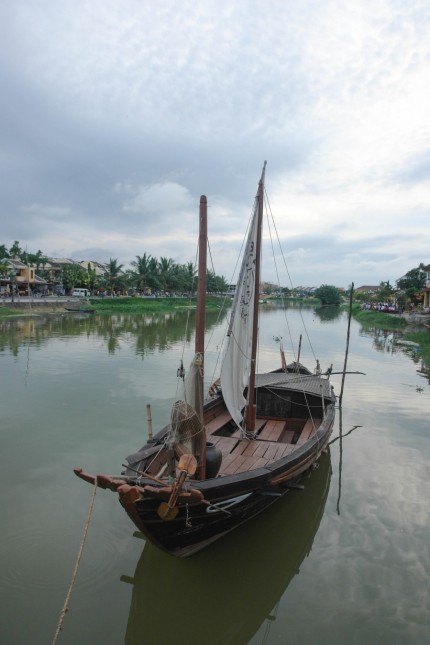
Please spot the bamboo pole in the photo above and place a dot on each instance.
(149, 420)
(347, 343)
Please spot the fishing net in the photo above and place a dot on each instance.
(185, 424)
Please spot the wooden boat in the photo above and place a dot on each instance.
(223, 460)
(268, 554)
(79, 308)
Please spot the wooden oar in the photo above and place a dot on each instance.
(187, 466)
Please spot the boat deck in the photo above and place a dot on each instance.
(276, 438)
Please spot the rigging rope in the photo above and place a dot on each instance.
(268, 208)
(65, 608)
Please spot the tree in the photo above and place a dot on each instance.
(4, 267)
(215, 283)
(113, 276)
(37, 259)
(190, 275)
(92, 277)
(165, 271)
(385, 291)
(328, 294)
(413, 282)
(15, 250)
(74, 276)
(143, 268)
(4, 253)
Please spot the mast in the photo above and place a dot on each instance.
(250, 406)
(199, 442)
(201, 283)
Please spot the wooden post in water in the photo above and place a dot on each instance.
(149, 419)
(347, 343)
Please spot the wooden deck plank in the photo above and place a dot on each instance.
(260, 463)
(288, 436)
(247, 448)
(225, 444)
(271, 451)
(233, 466)
(308, 430)
(287, 449)
(218, 422)
(273, 430)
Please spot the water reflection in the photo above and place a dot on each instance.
(328, 313)
(223, 594)
(389, 341)
(149, 332)
(423, 370)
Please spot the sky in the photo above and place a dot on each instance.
(116, 115)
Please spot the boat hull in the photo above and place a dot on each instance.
(210, 509)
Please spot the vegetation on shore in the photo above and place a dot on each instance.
(130, 304)
(393, 323)
(378, 318)
(127, 304)
(9, 311)
(423, 340)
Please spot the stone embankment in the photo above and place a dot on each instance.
(37, 307)
(415, 318)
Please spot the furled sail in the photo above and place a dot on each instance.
(237, 359)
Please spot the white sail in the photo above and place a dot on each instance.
(237, 359)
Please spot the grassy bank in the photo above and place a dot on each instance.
(388, 321)
(423, 340)
(378, 319)
(9, 311)
(136, 305)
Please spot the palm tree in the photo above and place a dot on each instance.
(4, 253)
(165, 272)
(113, 274)
(190, 272)
(15, 250)
(142, 273)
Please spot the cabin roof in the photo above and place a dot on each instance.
(299, 382)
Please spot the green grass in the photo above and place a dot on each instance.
(9, 311)
(388, 321)
(423, 340)
(136, 305)
(378, 319)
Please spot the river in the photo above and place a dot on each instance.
(347, 559)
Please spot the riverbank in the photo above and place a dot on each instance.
(104, 305)
(413, 325)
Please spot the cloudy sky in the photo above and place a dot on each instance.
(116, 115)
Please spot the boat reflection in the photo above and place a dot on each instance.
(224, 593)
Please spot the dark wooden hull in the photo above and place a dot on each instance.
(248, 484)
(197, 525)
(236, 499)
(268, 555)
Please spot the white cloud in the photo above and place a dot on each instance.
(164, 101)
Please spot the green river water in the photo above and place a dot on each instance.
(346, 560)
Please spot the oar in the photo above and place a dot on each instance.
(187, 466)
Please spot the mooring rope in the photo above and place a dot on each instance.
(75, 571)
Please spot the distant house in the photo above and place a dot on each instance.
(367, 289)
(21, 278)
(98, 267)
(54, 269)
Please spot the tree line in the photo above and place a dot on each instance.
(148, 274)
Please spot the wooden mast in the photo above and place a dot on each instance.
(199, 448)
(201, 283)
(251, 407)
